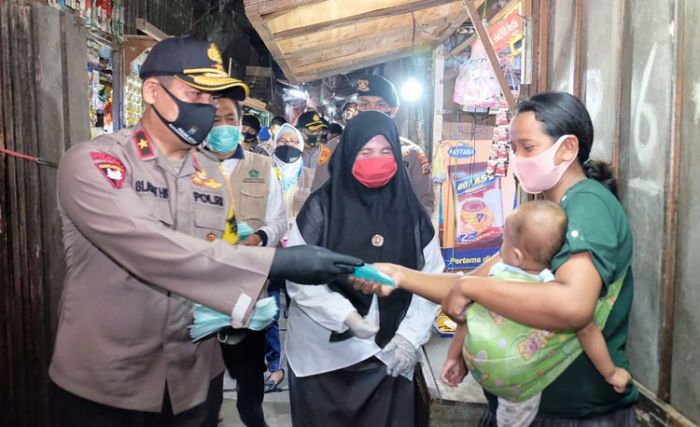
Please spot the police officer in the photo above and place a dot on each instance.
(314, 129)
(143, 213)
(375, 93)
(251, 127)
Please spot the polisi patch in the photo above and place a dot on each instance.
(208, 199)
(111, 168)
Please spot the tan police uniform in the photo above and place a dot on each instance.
(415, 161)
(142, 240)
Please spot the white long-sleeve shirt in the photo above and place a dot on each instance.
(316, 311)
(275, 224)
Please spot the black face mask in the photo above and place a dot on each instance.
(315, 139)
(287, 153)
(193, 122)
(250, 137)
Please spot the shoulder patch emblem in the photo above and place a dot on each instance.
(143, 145)
(111, 168)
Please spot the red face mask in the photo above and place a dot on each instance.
(374, 172)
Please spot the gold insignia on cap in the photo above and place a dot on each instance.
(363, 85)
(214, 54)
(316, 118)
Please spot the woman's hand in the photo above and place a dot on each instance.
(455, 303)
(395, 271)
(370, 287)
(453, 371)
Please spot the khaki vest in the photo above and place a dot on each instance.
(250, 183)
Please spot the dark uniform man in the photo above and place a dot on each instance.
(143, 213)
(250, 129)
(314, 129)
(375, 93)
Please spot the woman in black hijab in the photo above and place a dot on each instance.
(351, 355)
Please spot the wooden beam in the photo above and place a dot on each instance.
(364, 17)
(265, 7)
(356, 65)
(266, 35)
(490, 52)
(355, 40)
(497, 17)
(348, 49)
(431, 24)
(150, 29)
(382, 49)
(671, 237)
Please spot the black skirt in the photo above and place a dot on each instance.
(357, 396)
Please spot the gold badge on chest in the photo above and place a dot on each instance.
(377, 240)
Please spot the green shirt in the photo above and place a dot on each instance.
(597, 225)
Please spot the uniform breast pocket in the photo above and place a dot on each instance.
(210, 223)
(160, 210)
(252, 205)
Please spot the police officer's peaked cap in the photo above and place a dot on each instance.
(373, 85)
(312, 121)
(193, 61)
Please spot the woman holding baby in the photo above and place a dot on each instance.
(551, 137)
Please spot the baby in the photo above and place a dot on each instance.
(502, 353)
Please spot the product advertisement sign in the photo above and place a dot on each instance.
(473, 204)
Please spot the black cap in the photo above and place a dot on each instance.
(378, 86)
(335, 128)
(252, 122)
(193, 61)
(312, 121)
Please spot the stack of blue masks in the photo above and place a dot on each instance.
(244, 231)
(208, 321)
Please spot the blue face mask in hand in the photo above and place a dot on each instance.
(224, 139)
(264, 314)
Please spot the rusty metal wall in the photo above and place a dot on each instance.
(685, 375)
(646, 126)
(561, 45)
(599, 90)
(639, 74)
(43, 85)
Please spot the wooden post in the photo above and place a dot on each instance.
(490, 52)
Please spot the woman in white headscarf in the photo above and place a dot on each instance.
(295, 178)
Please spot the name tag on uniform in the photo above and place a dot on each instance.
(208, 199)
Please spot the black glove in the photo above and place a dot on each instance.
(311, 265)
